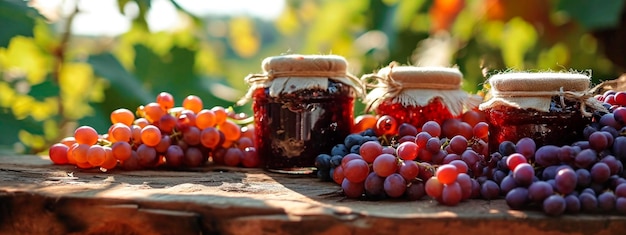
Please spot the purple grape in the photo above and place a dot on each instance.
(615, 165)
(352, 190)
(567, 153)
(606, 201)
(547, 155)
(586, 158)
(583, 178)
(565, 181)
(620, 205)
(554, 205)
(588, 131)
(470, 157)
(517, 198)
(572, 204)
(433, 145)
(475, 189)
(588, 202)
(415, 191)
(620, 190)
(507, 184)
(526, 146)
(394, 185)
(589, 191)
(609, 137)
(619, 114)
(523, 174)
(619, 148)
(583, 144)
(540, 190)
(598, 141)
(609, 120)
(374, 186)
(489, 190)
(600, 172)
(549, 172)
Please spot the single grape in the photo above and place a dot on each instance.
(620, 205)
(451, 194)
(209, 137)
(120, 132)
(458, 144)
(407, 150)
(588, 202)
(523, 174)
(481, 130)
(153, 112)
(356, 170)
(121, 150)
(86, 135)
(174, 156)
(386, 125)
(394, 185)
(146, 156)
(251, 159)
(150, 135)
(385, 165)
(406, 129)
(193, 103)
(96, 155)
(572, 204)
(167, 123)
(352, 190)
(517, 198)
(409, 170)
(526, 146)
(432, 127)
(205, 118)
(415, 191)
(447, 174)
(123, 116)
(220, 114)
(489, 190)
(166, 100)
(565, 181)
(554, 205)
(539, 191)
(58, 153)
(465, 181)
(547, 155)
(339, 149)
(374, 188)
(598, 141)
(433, 187)
(370, 150)
(507, 148)
(233, 157)
(192, 136)
(586, 158)
(600, 172)
(606, 201)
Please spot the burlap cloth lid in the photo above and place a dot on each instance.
(291, 73)
(417, 86)
(525, 90)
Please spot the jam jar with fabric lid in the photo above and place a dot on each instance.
(550, 108)
(303, 105)
(415, 95)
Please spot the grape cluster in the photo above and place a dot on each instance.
(162, 135)
(387, 159)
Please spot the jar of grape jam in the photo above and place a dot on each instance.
(303, 105)
(550, 108)
(416, 95)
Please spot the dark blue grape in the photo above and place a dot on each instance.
(583, 178)
(322, 162)
(374, 189)
(620, 205)
(339, 149)
(324, 175)
(565, 181)
(586, 158)
(415, 191)
(619, 148)
(507, 184)
(369, 132)
(335, 160)
(489, 190)
(547, 155)
(527, 147)
(352, 139)
(549, 172)
(355, 148)
(600, 172)
(506, 148)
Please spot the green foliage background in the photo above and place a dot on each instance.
(52, 80)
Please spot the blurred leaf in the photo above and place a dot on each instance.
(16, 18)
(25, 55)
(124, 88)
(47, 88)
(518, 37)
(243, 37)
(554, 58)
(598, 14)
(405, 13)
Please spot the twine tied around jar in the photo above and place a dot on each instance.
(585, 99)
(267, 79)
(416, 86)
(529, 90)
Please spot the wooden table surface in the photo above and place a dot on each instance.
(37, 197)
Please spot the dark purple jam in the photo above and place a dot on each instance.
(559, 126)
(292, 129)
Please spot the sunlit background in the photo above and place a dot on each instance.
(65, 63)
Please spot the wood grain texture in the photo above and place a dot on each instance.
(39, 198)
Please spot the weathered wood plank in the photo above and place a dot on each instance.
(39, 198)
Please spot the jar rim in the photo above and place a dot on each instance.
(540, 81)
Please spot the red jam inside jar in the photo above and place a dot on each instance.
(293, 128)
(415, 115)
(559, 126)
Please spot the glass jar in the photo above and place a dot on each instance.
(303, 105)
(550, 108)
(416, 95)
